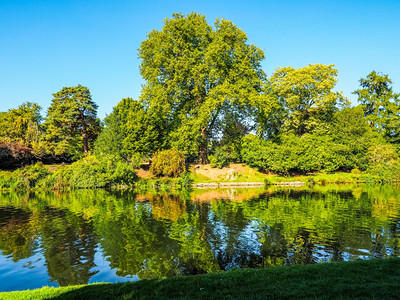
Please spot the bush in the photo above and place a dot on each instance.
(255, 152)
(384, 163)
(13, 155)
(60, 178)
(36, 175)
(91, 172)
(88, 172)
(168, 163)
(123, 174)
(185, 181)
(30, 177)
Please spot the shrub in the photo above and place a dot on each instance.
(168, 163)
(123, 174)
(88, 172)
(255, 152)
(60, 179)
(384, 163)
(30, 177)
(185, 181)
(36, 175)
(13, 154)
(91, 172)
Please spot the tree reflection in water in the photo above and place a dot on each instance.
(162, 235)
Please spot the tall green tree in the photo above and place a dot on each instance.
(194, 74)
(21, 124)
(111, 138)
(129, 129)
(71, 124)
(380, 104)
(306, 96)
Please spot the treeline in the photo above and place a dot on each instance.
(206, 96)
(66, 134)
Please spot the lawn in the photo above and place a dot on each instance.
(378, 279)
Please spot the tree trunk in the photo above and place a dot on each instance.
(203, 150)
(85, 141)
(84, 135)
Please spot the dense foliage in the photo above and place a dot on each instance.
(14, 154)
(168, 163)
(380, 104)
(71, 123)
(198, 77)
(89, 172)
(343, 144)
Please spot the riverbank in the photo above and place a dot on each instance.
(91, 173)
(240, 175)
(356, 280)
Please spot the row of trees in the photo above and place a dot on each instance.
(206, 95)
(67, 133)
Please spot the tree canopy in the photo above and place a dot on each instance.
(21, 124)
(195, 76)
(380, 104)
(306, 96)
(71, 124)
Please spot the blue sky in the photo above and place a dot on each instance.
(46, 44)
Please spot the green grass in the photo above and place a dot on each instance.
(377, 279)
(199, 178)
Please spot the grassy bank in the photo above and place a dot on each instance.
(237, 173)
(378, 279)
(93, 173)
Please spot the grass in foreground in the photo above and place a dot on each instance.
(378, 279)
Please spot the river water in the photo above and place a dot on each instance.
(85, 236)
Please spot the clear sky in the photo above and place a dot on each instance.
(48, 44)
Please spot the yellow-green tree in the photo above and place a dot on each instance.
(21, 124)
(306, 96)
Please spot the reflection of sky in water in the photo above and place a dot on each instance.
(249, 238)
(25, 274)
(105, 274)
(31, 273)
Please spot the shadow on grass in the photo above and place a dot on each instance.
(128, 290)
(379, 279)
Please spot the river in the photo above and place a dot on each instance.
(86, 236)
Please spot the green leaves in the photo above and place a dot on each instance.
(341, 145)
(380, 104)
(192, 71)
(168, 163)
(21, 125)
(130, 129)
(71, 123)
(306, 96)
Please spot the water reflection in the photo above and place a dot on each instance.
(162, 235)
